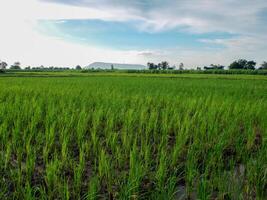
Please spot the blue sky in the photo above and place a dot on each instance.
(195, 32)
(126, 35)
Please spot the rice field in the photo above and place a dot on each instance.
(105, 137)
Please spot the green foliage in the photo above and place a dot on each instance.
(3, 65)
(78, 67)
(243, 64)
(264, 65)
(147, 137)
(15, 66)
(164, 65)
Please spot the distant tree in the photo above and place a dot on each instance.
(3, 65)
(28, 68)
(112, 67)
(16, 65)
(41, 67)
(264, 65)
(171, 67)
(239, 64)
(243, 64)
(159, 66)
(181, 66)
(164, 65)
(250, 65)
(151, 66)
(78, 67)
(198, 68)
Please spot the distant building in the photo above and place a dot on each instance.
(214, 67)
(103, 65)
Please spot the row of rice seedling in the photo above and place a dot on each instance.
(132, 138)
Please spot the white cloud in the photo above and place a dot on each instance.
(198, 16)
(20, 40)
(31, 48)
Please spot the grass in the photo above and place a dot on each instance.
(133, 137)
(134, 73)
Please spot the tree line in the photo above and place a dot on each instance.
(17, 66)
(164, 65)
(238, 64)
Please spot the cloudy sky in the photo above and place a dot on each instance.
(71, 32)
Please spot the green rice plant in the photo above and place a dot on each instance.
(30, 162)
(161, 173)
(81, 127)
(64, 148)
(136, 172)
(94, 130)
(78, 173)
(202, 191)
(133, 136)
(29, 193)
(7, 155)
(66, 191)
(104, 169)
(51, 177)
(49, 141)
(93, 189)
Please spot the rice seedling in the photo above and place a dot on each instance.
(123, 137)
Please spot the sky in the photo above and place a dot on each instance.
(67, 33)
